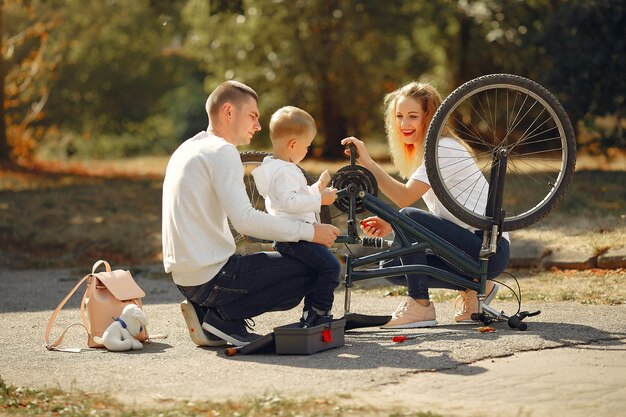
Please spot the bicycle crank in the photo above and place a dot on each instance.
(353, 175)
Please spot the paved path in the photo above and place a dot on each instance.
(582, 380)
(570, 361)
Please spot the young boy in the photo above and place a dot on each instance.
(284, 188)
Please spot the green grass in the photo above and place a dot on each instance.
(20, 401)
(68, 215)
(596, 193)
(593, 286)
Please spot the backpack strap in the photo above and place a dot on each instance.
(95, 266)
(54, 346)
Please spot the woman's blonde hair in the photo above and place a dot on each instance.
(408, 157)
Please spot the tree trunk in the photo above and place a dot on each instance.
(334, 125)
(464, 38)
(5, 151)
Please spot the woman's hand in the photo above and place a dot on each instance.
(363, 158)
(375, 226)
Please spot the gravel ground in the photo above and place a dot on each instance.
(570, 361)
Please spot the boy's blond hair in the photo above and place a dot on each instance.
(291, 122)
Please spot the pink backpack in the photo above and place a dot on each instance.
(105, 297)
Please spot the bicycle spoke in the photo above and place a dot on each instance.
(521, 138)
(524, 116)
(495, 117)
(524, 156)
(540, 173)
(513, 120)
(524, 175)
(509, 122)
(479, 115)
(531, 135)
(541, 151)
(451, 174)
(469, 194)
(480, 140)
(485, 184)
(543, 140)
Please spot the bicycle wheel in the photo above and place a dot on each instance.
(248, 244)
(495, 115)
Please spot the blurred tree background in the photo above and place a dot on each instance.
(119, 78)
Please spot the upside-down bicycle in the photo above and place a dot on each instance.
(520, 138)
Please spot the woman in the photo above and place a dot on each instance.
(408, 113)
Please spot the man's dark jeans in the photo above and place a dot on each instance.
(249, 285)
(320, 259)
(465, 240)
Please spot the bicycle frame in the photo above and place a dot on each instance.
(473, 272)
(404, 227)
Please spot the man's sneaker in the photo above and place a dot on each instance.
(466, 303)
(193, 315)
(411, 314)
(312, 318)
(234, 332)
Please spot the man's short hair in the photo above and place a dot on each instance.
(232, 92)
(291, 122)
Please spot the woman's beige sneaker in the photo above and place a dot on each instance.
(466, 303)
(410, 314)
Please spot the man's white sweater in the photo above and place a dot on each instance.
(204, 187)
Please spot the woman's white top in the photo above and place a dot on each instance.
(462, 177)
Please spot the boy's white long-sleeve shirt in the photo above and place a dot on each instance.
(284, 188)
(203, 188)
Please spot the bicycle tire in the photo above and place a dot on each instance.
(544, 166)
(250, 160)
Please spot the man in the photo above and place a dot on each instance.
(204, 187)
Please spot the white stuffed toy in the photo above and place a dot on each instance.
(120, 335)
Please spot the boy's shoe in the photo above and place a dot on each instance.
(312, 318)
(193, 313)
(411, 314)
(466, 303)
(234, 332)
